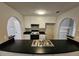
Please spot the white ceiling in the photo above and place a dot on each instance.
(28, 8)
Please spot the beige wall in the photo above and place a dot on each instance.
(74, 14)
(41, 20)
(5, 13)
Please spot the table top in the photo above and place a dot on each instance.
(24, 46)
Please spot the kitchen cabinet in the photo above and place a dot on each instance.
(42, 37)
(27, 37)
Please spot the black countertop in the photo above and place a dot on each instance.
(29, 32)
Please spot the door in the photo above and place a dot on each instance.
(17, 29)
(67, 27)
(49, 31)
(64, 29)
(14, 28)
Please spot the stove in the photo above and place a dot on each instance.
(34, 35)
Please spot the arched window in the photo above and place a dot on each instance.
(14, 28)
(67, 27)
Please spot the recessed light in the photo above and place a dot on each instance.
(40, 12)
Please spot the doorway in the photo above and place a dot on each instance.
(49, 30)
(67, 27)
(14, 28)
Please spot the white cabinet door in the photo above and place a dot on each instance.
(26, 37)
(41, 37)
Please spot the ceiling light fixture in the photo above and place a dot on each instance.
(40, 12)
